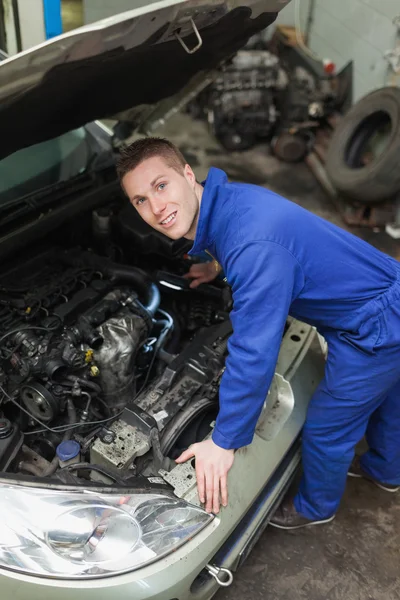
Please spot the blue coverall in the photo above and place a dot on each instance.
(281, 259)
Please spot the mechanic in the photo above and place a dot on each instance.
(281, 259)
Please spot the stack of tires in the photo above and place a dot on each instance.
(364, 153)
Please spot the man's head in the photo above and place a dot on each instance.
(161, 186)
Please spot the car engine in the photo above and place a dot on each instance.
(242, 101)
(260, 95)
(107, 371)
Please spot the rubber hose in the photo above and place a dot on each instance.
(138, 278)
(150, 290)
(175, 336)
(25, 466)
(154, 299)
(90, 384)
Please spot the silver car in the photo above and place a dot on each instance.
(109, 364)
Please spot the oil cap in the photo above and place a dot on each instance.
(5, 428)
(67, 450)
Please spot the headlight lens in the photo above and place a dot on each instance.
(85, 534)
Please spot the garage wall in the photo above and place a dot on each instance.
(361, 30)
(31, 20)
(287, 15)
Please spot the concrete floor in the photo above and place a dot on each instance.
(356, 557)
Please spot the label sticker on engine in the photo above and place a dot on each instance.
(160, 415)
(156, 480)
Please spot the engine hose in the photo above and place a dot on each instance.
(52, 468)
(132, 275)
(153, 300)
(33, 469)
(169, 319)
(84, 382)
(176, 334)
(138, 279)
(168, 326)
(123, 273)
(166, 356)
(71, 415)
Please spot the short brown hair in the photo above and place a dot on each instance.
(141, 150)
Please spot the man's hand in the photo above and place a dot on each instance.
(212, 466)
(203, 273)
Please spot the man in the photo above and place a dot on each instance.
(280, 259)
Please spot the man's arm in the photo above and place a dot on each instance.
(265, 278)
(203, 273)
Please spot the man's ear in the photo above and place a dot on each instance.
(190, 176)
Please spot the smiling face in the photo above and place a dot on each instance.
(166, 199)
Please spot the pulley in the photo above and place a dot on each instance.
(39, 402)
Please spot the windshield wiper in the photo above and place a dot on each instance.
(16, 208)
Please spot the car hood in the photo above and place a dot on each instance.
(134, 58)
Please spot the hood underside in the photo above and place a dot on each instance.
(135, 58)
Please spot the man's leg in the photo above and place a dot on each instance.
(356, 383)
(382, 461)
(333, 428)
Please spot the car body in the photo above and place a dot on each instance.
(110, 364)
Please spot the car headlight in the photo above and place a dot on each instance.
(86, 534)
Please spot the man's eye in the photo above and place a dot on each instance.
(140, 201)
(162, 186)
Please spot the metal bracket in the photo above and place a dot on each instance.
(197, 34)
(216, 572)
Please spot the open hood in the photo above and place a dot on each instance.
(134, 58)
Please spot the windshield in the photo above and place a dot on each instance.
(44, 164)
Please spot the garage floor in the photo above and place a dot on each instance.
(356, 557)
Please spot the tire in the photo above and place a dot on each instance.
(379, 177)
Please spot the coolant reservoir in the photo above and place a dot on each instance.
(68, 452)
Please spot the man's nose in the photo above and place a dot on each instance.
(158, 205)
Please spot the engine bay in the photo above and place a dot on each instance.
(109, 363)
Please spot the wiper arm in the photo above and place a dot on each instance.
(19, 207)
